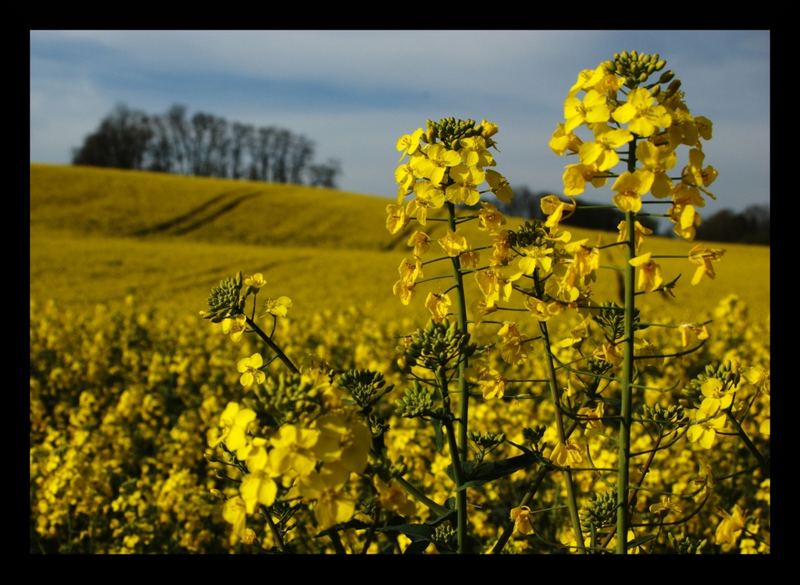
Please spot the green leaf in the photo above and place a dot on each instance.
(417, 547)
(640, 540)
(438, 437)
(415, 532)
(477, 475)
(357, 524)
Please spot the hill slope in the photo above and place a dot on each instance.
(98, 235)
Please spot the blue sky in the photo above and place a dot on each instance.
(355, 92)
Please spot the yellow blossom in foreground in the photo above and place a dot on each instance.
(343, 444)
(250, 370)
(630, 187)
(234, 422)
(428, 196)
(657, 160)
(536, 257)
(666, 506)
(561, 142)
(588, 79)
(435, 166)
(474, 152)
(393, 498)
(420, 241)
(453, 244)
(235, 327)
(686, 221)
(695, 174)
(592, 109)
(575, 178)
(496, 285)
(499, 186)
(492, 383)
(639, 232)
(404, 290)
(566, 455)
(650, 277)
(729, 529)
(488, 128)
(438, 305)
(692, 332)
(410, 270)
(469, 259)
(333, 505)
(465, 186)
(540, 310)
(707, 422)
(292, 451)
(278, 307)
(257, 488)
(404, 177)
(489, 218)
(553, 207)
(511, 343)
(717, 396)
(592, 417)
(704, 257)
(521, 516)
(396, 218)
(235, 512)
(408, 143)
(643, 115)
(603, 151)
(255, 281)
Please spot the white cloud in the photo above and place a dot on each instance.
(516, 78)
(62, 112)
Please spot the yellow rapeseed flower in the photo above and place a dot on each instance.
(603, 151)
(438, 305)
(566, 454)
(396, 218)
(639, 232)
(420, 241)
(708, 420)
(453, 244)
(657, 160)
(630, 187)
(235, 326)
(650, 277)
(703, 257)
(643, 115)
(729, 529)
(250, 369)
(561, 142)
(521, 515)
(498, 184)
(591, 110)
(408, 143)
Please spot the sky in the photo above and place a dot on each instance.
(355, 92)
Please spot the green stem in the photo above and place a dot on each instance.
(762, 461)
(273, 346)
(417, 494)
(554, 395)
(536, 481)
(623, 464)
(463, 390)
(461, 493)
(276, 534)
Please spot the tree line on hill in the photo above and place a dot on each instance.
(203, 145)
(749, 226)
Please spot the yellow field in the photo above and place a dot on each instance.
(99, 235)
(128, 384)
